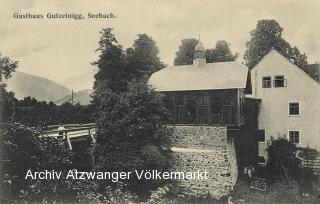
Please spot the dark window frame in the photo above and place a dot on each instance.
(261, 159)
(294, 136)
(282, 82)
(261, 134)
(266, 82)
(294, 108)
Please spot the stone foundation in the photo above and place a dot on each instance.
(204, 148)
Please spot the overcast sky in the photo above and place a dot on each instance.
(60, 49)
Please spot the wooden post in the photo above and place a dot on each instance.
(68, 140)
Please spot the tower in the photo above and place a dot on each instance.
(199, 57)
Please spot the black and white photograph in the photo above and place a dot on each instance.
(159, 102)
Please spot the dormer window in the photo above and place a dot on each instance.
(266, 82)
(279, 81)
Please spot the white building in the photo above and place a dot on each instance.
(290, 103)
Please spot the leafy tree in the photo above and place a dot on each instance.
(7, 67)
(142, 58)
(131, 116)
(282, 160)
(221, 52)
(184, 55)
(7, 99)
(268, 35)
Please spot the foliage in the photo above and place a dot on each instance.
(25, 150)
(31, 112)
(131, 131)
(307, 153)
(282, 160)
(163, 195)
(184, 55)
(282, 190)
(130, 115)
(7, 99)
(221, 52)
(268, 35)
(118, 67)
(142, 58)
(111, 63)
(7, 66)
(90, 192)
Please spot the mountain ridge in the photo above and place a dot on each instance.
(40, 88)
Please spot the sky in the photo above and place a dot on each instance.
(62, 49)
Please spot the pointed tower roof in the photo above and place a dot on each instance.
(199, 47)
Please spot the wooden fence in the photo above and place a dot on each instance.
(72, 132)
(313, 164)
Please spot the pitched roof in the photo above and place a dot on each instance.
(313, 70)
(222, 75)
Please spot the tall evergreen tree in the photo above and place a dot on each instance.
(111, 63)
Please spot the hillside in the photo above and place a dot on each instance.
(82, 97)
(80, 82)
(42, 89)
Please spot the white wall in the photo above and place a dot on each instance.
(274, 108)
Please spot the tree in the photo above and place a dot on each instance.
(186, 51)
(221, 52)
(282, 160)
(142, 58)
(130, 116)
(7, 67)
(7, 99)
(268, 35)
(131, 132)
(111, 63)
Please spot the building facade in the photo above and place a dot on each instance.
(289, 103)
(207, 111)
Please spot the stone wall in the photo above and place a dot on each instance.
(204, 148)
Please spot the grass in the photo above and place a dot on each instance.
(280, 191)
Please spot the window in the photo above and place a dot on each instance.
(261, 159)
(266, 82)
(294, 109)
(294, 136)
(279, 81)
(261, 136)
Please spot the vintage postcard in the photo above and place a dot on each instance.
(159, 102)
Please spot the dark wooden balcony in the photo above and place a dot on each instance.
(216, 107)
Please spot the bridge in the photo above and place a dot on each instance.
(72, 132)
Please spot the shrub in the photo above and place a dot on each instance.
(282, 160)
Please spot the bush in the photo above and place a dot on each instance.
(25, 150)
(131, 132)
(282, 160)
